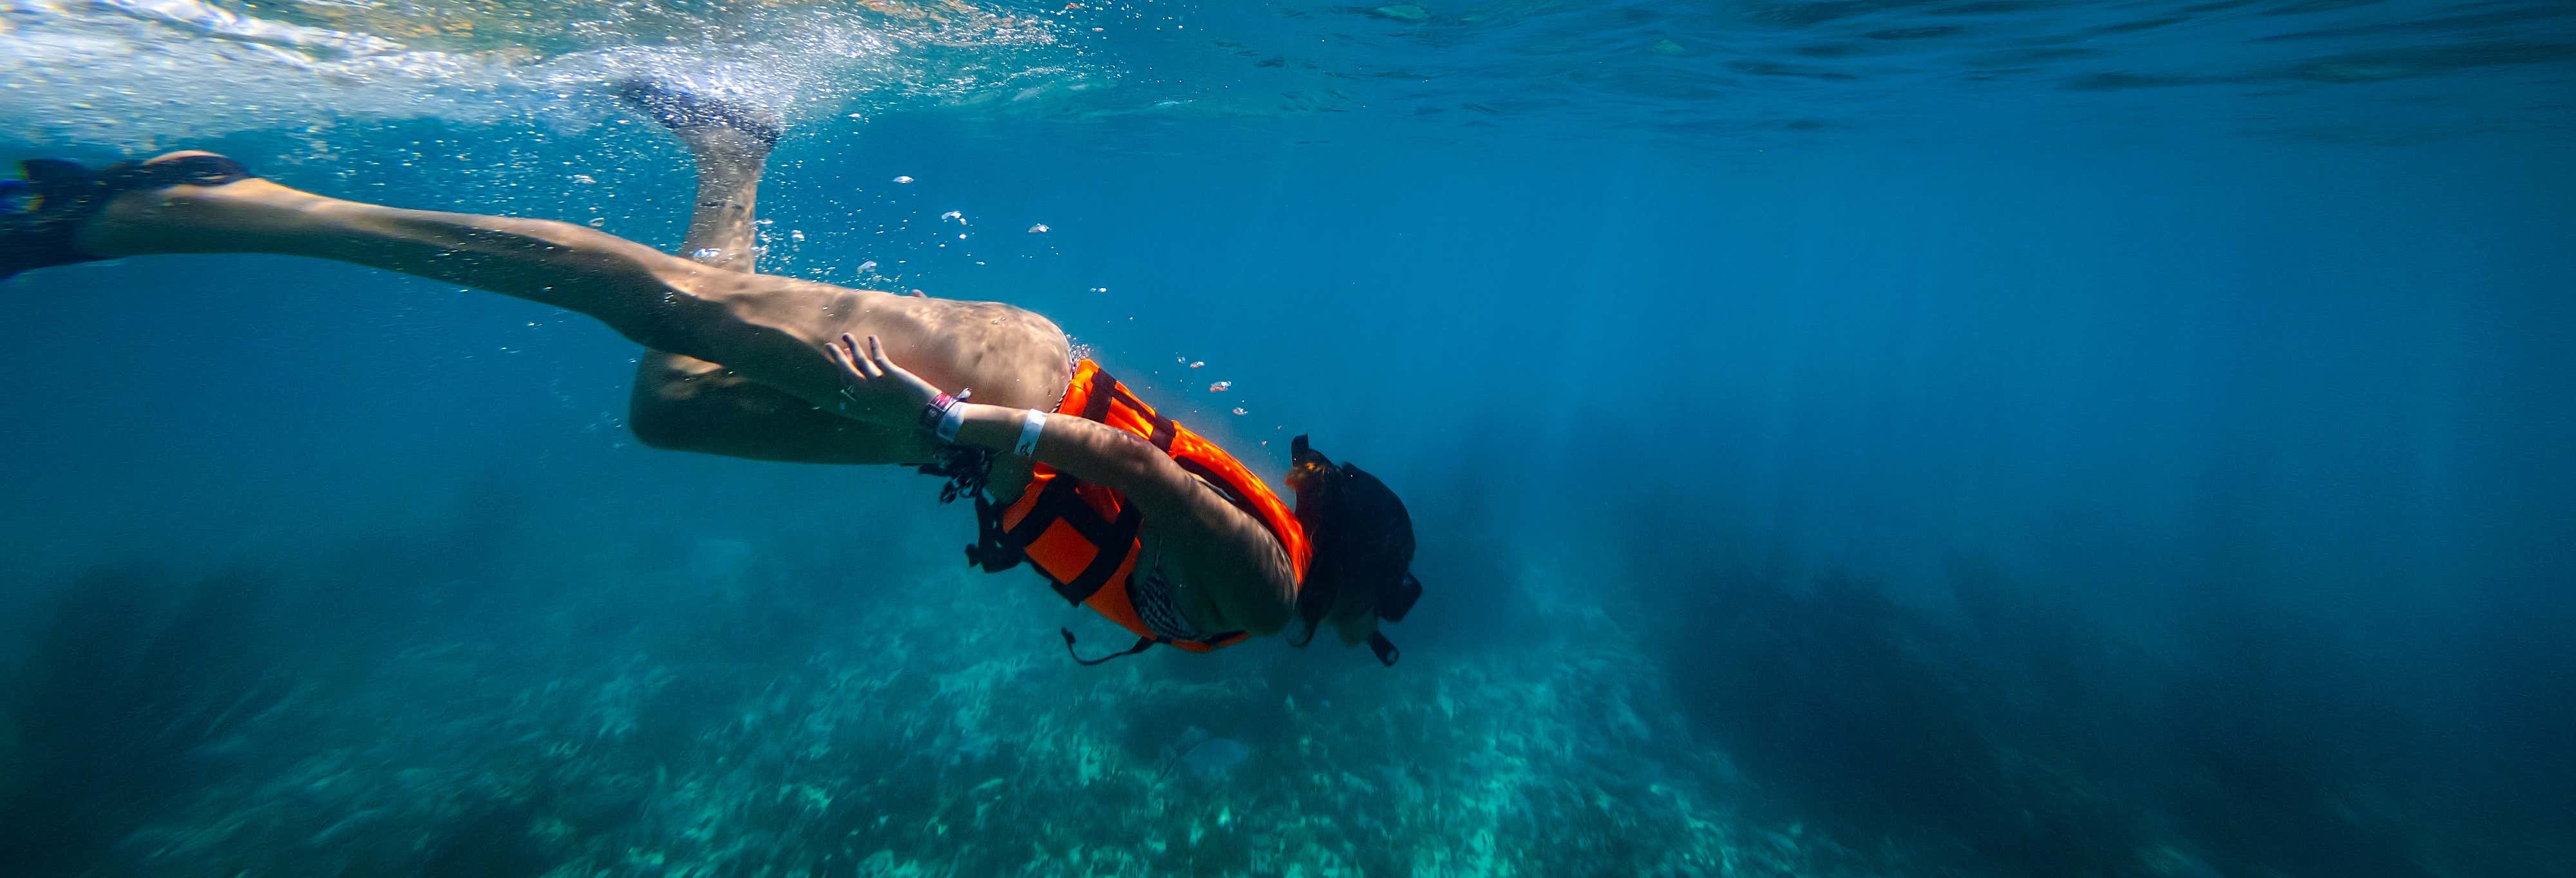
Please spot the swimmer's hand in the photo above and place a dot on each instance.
(873, 388)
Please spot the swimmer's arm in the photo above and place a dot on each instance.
(1092, 451)
(1225, 552)
(874, 386)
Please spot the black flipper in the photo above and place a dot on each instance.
(40, 212)
(681, 110)
(41, 171)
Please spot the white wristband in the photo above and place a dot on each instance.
(1031, 425)
(950, 419)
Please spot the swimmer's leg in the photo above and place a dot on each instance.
(774, 330)
(730, 144)
(42, 212)
(684, 403)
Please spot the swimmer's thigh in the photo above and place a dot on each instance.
(687, 404)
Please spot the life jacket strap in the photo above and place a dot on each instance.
(1142, 644)
(992, 550)
(1060, 501)
(1121, 538)
(1159, 429)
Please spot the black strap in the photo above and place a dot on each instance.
(1160, 432)
(1105, 388)
(1044, 511)
(1097, 407)
(992, 550)
(1114, 549)
(1142, 644)
(1385, 649)
(1115, 538)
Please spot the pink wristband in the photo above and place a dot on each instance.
(944, 414)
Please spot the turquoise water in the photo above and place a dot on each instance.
(1845, 438)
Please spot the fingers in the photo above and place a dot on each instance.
(866, 366)
(876, 351)
(863, 364)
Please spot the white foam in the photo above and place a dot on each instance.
(219, 22)
(132, 75)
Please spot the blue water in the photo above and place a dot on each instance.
(1887, 438)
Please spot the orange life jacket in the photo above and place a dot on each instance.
(1083, 536)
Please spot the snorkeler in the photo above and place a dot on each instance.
(1118, 507)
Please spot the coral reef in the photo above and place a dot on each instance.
(719, 706)
(890, 739)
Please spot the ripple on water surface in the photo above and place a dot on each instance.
(137, 74)
(130, 74)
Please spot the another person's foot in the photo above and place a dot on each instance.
(710, 126)
(41, 211)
